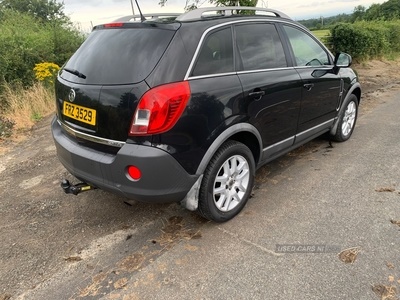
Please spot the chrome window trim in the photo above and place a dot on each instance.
(212, 75)
(264, 70)
(239, 73)
(190, 69)
(327, 67)
(91, 138)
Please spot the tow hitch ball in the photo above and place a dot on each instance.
(75, 189)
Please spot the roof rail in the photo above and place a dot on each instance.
(226, 11)
(151, 16)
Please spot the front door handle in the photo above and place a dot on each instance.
(308, 86)
(257, 94)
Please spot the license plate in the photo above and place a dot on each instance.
(80, 113)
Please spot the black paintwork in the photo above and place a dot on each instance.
(115, 105)
(286, 104)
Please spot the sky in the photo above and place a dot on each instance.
(85, 13)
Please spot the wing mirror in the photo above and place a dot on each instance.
(342, 60)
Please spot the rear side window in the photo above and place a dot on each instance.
(216, 54)
(307, 51)
(259, 47)
(118, 56)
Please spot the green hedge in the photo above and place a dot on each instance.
(26, 41)
(366, 40)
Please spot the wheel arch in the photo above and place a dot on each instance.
(357, 92)
(244, 133)
(354, 90)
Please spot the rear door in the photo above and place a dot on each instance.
(216, 96)
(272, 90)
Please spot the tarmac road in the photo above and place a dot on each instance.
(308, 206)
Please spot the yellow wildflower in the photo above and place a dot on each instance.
(46, 72)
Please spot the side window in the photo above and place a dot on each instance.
(216, 54)
(259, 47)
(306, 50)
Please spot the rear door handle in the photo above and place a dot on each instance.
(308, 86)
(257, 95)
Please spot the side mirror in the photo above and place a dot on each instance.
(342, 60)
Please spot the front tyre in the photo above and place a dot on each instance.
(227, 182)
(347, 119)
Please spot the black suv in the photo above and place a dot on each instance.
(185, 108)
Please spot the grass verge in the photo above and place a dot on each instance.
(22, 107)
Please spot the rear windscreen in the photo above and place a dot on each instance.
(118, 56)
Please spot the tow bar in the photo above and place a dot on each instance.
(75, 189)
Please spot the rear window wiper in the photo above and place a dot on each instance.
(75, 72)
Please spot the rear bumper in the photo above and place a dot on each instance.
(163, 178)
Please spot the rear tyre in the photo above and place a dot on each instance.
(227, 182)
(347, 120)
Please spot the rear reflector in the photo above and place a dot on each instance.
(160, 108)
(134, 173)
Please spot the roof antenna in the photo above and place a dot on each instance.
(142, 18)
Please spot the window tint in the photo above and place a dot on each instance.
(118, 56)
(216, 54)
(259, 47)
(306, 50)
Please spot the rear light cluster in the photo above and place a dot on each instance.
(160, 108)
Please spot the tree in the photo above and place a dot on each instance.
(359, 13)
(388, 10)
(189, 4)
(391, 9)
(45, 10)
(26, 41)
(374, 12)
(234, 2)
(192, 4)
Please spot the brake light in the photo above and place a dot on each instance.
(112, 25)
(160, 108)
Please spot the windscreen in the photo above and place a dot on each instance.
(118, 55)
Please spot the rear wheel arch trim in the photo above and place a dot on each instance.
(224, 136)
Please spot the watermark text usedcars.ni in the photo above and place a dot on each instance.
(309, 248)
